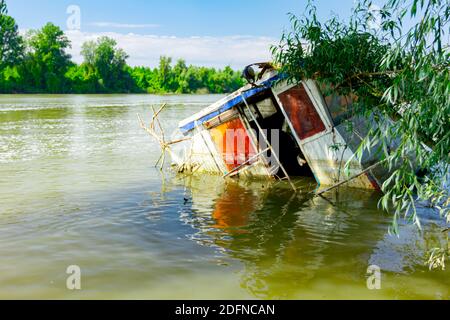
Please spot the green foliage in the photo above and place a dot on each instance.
(401, 80)
(108, 64)
(180, 78)
(105, 71)
(82, 79)
(11, 43)
(47, 61)
(41, 65)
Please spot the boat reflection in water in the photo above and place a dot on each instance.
(299, 246)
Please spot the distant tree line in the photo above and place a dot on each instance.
(39, 63)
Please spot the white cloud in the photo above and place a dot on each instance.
(237, 51)
(122, 25)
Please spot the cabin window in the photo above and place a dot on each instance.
(261, 110)
(266, 108)
(301, 112)
(340, 108)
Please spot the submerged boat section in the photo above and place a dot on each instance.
(273, 129)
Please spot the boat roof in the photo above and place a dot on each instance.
(228, 102)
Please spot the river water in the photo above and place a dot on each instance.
(78, 187)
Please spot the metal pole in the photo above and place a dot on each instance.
(245, 163)
(267, 141)
(252, 137)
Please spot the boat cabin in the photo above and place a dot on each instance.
(274, 129)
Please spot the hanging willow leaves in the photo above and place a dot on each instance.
(400, 77)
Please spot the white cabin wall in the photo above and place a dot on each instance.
(203, 155)
(325, 152)
(328, 163)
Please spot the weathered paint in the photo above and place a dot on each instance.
(327, 156)
(301, 112)
(233, 143)
(201, 154)
(227, 103)
(325, 146)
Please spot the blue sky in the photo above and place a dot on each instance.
(175, 17)
(213, 33)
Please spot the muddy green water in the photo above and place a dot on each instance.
(78, 187)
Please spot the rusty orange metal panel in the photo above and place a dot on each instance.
(301, 112)
(233, 143)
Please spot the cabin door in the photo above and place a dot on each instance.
(300, 110)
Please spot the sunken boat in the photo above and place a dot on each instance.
(274, 129)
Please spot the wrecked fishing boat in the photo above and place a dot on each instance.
(273, 129)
